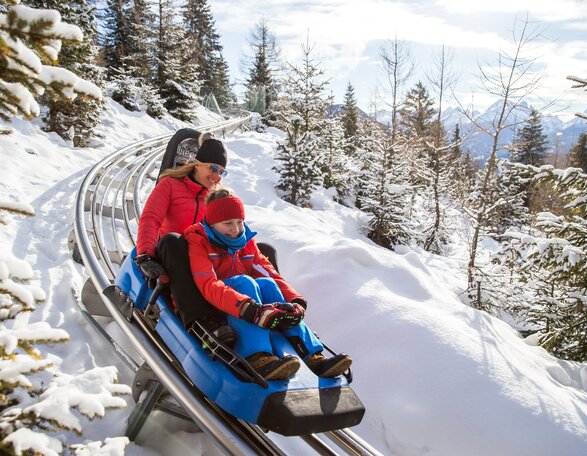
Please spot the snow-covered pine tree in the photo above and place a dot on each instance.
(75, 121)
(132, 84)
(350, 120)
(303, 95)
(301, 113)
(511, 211)
(263, 66)
(416, 124)
(298, 164)
(141, 46)
(365, 142)
(463, 169)
(206, 51)
(338, 168)
(426, 160)
(530, 143)
(556, 266)
(176, 77)
(384, 192)
(529, 147)
(115, 34)
(578, 155)
(28, 38)
(36, 398)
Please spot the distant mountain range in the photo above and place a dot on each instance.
(562, 135)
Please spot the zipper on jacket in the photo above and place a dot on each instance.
(197, 205)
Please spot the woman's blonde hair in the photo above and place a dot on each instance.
(188, 168)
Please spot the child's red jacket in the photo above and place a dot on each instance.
(211, 264)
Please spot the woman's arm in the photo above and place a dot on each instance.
(152, 217)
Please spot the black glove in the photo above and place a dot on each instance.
(150, 268)
(264, 315)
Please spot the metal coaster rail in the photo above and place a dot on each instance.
(107, 208)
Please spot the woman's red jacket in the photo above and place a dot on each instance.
(173, 205)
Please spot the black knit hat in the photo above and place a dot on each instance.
(212, 151)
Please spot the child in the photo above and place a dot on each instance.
(234, 276)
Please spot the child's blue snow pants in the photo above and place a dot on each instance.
(252, 338)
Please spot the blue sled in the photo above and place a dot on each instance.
(302, 405)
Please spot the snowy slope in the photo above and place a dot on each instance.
(438, 378)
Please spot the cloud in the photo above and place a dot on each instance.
(348, 34)
(543, 10)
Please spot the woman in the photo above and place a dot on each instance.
(176, 202)
(233, 275)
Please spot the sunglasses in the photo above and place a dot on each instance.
(216, 169)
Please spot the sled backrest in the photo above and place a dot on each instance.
(181, 149)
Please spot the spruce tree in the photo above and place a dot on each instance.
(530, 143)
(301, 113)
(206, 51)
(578, 155)
(511, 209)
(417, 114)
(140, 46)
(350, 120)
(115, 34)
(75, 121)
(303, 95)
(262, 80)
(30, 38)
(338, 170)
(384, 194)
(299, 165)
(176, 78)
(559, 261)
(416, 125)
(133, 83)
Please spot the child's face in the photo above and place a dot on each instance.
(230, 228)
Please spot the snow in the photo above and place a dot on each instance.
(437, 378)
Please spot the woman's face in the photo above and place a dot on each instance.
(208, 174)
(229, 228)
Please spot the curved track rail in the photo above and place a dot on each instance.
(108, 205)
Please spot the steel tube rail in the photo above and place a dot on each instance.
(352, 443)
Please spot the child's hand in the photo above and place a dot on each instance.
(294, 316)
(264, 315)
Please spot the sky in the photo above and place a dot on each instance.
(437, 377)
(348, 36)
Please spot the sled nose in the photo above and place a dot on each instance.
(308, 411)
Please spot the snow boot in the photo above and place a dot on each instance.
(329, 367)
(223, 332)
(271, 367)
